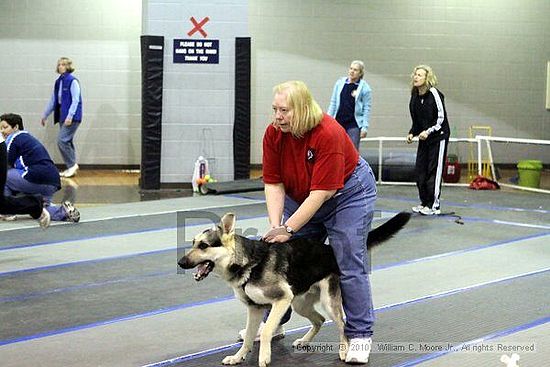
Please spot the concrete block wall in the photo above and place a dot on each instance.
(102, 38)
(490, 58)
(198, 99)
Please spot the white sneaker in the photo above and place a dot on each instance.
(418, 208)
(430, 211)
(73, 215)
(69, 172)
(8, 218)
(44, 219)
(278, 334)
(358, 350)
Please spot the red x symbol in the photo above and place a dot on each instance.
(198, 26)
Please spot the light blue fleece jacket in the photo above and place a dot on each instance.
(363, 102)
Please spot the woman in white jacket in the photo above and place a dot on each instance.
(350, 103)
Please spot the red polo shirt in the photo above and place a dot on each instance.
(321, 160)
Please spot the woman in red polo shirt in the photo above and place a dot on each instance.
(318, 184)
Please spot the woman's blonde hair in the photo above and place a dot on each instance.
(431, 79)
(68, 62)
(305, 111)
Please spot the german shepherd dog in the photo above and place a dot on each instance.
(298, 273)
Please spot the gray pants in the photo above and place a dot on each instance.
(65, 142)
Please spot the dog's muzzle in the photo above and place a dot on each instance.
(203, 269)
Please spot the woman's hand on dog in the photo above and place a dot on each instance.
(277, 234)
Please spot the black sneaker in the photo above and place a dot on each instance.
(73, 215)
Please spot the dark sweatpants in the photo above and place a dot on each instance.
(27, 204)
(430, 162)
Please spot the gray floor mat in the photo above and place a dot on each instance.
(457, 318)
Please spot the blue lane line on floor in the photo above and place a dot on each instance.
(241, 196)
(471, 205)
(113, 321)
(50, 243)
(462, 251)
(499, 334)
(81, 262)
(206, 222)
(155, 252)
(57, 291)
(446, 203)
(215, 350)
(149, 230)
(159, 229)
(376, 268)
(231, 297)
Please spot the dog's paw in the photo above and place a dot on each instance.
(232, 360)
(343, 351)
(264, 358)
(299, 343)
(264, 363)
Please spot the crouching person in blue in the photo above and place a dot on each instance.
(31, 170)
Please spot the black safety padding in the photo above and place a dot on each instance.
(241, 127)
(232, 187)
(152, 65)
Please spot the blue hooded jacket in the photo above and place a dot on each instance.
(30, 157)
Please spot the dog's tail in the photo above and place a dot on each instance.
(388, 229)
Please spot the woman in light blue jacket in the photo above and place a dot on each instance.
(351, 102)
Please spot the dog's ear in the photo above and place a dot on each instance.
(228, 223)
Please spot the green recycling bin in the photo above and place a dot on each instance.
(529, 173)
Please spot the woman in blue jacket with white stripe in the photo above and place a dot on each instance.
(31, 170)
(350, 103)
(32, 205)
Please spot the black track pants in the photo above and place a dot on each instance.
(430, 162)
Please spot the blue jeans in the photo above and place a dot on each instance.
(346, 218)
(65, 142)
(354, 134)
(16, 184)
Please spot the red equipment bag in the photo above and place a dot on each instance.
(483, 183)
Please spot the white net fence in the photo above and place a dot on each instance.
(517, 163)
